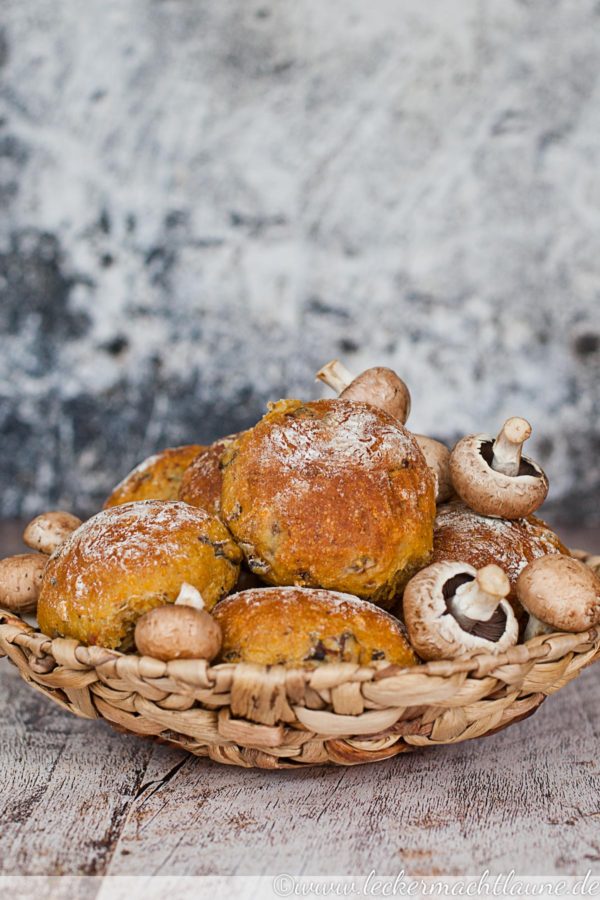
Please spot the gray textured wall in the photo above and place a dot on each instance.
(204, 201)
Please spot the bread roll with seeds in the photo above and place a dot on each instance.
(295, 626)
(129, 559)
(333, 494)
(156, 478)
(463, 535)
(202, 480)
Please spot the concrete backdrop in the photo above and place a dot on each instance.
(202, 202)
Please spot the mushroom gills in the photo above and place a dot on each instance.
(525, 467)
(490, 629)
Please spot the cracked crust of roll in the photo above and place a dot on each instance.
(156, 478)
(202, 480)
(305, 626)
(463, 535)
(129, 559)
(333, 494)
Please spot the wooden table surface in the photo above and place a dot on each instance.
(78, 798)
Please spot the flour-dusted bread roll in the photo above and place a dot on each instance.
(333, 494)
(306, 626)
(465, 536)
(202, 480)
(156, 478)
(129, 559)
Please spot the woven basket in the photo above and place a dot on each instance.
(273, 717)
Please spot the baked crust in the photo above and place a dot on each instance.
(156, 478)
(127, 560)
(202, 480)
(306, 626)
(333, 494)
(465, 536)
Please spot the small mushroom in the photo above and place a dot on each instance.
(183, 630)
(493, 478)
(21, 580)
(451, 608)
(560, 594)
(381, 387)
(378, 386)
(437, 457)
(48, 531)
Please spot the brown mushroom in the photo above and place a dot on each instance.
(378, 386)
(437, 457)
(183, 630)
(451, 609)
(21, 580)
(48, 531)
(560, 594)
(493, 478)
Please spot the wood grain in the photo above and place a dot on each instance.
(78, 798)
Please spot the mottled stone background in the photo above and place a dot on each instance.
(202, 202)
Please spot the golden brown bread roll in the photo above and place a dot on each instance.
(465, 536)
(129, 559)
(306, 626)
(156, 478)
(202, 480)
(333, 494)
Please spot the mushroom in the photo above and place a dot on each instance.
(378, 386)
(21, 580)
(493, 478)
(451, 608)
(560, 594)
(381, 387)
(183, 630)
(437, 457)
(48, 531)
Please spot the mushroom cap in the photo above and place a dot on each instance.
(433, 630)
(21, 581)
(48, 531)
(437, 457)
(178, 632)
(492, 493)
(562, 592)
(381, 387)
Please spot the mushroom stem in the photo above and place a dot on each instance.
(535, 627)
(335, 375)
(509, 444)
(189, 596)
(477, 600)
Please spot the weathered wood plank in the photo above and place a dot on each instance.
(67, 784)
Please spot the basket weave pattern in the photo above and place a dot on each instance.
(275, 717)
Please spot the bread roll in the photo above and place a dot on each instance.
(303, 626)
(465, 536)
(202, 480)
(129, 559)
(156, 478)
(333, 494)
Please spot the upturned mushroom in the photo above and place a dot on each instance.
(20, 581)
(451, 609)
(49, 530)
(560, 594)
(183, 630)
(383, 388)
(378, 386)
(493, 478)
